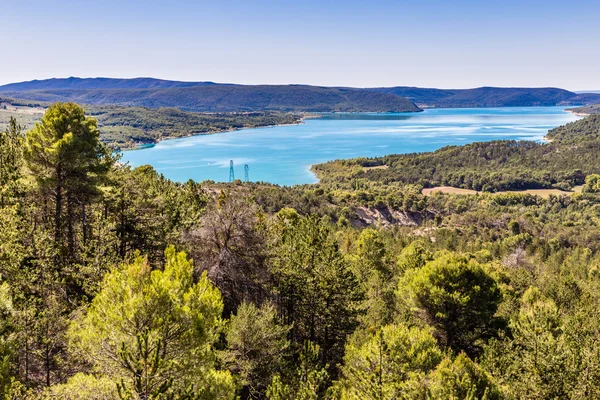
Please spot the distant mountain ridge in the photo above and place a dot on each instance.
(208, 96)
(225, 97)
(491, 96)
(74, 83)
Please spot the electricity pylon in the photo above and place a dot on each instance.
(231, 173)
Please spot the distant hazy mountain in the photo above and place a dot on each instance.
(214, 97)
(98, 83)
(208, 97)
(491, 96)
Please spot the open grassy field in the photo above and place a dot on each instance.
(544, 193)
(375, 167)
(25, 116)
(448, 189)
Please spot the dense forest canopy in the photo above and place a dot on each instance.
(116, 283)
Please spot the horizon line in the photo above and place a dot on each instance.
(299, 84)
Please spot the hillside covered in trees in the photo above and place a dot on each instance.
(116, 283)
(492, 97)
(207, 97)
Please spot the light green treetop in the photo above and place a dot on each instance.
(139, 310)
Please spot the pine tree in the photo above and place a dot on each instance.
(315, 289)
(11, 160)
(139, 310)
(64, 154)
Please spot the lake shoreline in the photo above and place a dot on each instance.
(291, 153)
(142, 146)
(579, 114)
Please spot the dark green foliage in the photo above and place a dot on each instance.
(457, 297)
(64, 154)
(317, 292)
(256, 346)
(308, 381)
(578, 131)
(373, 269)
(11, 160)
(550, 354)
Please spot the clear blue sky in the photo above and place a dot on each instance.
(430, 43)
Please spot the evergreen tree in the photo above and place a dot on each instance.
(461, 378)
(256, 347)
(307, 382)
(11, 159)
(392, 363)
(316, 291)
(64, 154)
(371, 266)
(139, 310)
(457, 297)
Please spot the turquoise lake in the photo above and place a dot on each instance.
(284, 154)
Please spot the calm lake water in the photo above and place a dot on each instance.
(284, 154)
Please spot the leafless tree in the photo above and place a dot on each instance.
(229, 243)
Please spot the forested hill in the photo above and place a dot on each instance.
(207, 97)
(492, 96)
